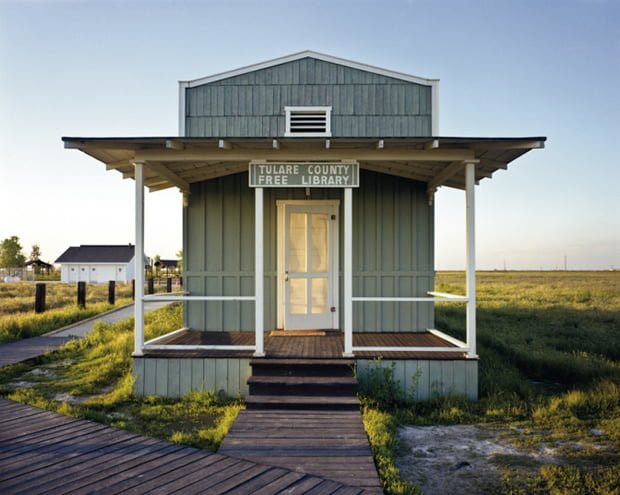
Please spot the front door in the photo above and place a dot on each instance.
(309, 264)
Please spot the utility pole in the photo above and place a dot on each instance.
(565, 263)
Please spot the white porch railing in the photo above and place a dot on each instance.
(153, 345)
(434, 297)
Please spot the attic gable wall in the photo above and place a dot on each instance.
(364, 104)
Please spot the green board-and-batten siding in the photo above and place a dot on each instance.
(364, 104)
(392, 254)
(176, 377)
(424, 379)
(417, 379)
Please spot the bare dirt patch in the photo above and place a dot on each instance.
(460, 458)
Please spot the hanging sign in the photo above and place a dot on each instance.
(304, 174)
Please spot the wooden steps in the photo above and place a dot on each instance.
(310, 384)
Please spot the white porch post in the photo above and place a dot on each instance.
(347, 273)
(258, 273)
(470, 221)
(139, 260)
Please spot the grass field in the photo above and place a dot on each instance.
(18, 319)
(92, 379)
(549, 345)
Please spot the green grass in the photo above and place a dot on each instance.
(97, 370)
(549, 346)
(18, 319)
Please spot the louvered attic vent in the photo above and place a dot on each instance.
(308, 121)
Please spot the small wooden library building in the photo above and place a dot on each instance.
(308, 185)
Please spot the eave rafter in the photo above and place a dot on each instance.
(162, 171)
(361, 154)
(446, 173)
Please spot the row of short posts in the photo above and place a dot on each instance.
(39, 297)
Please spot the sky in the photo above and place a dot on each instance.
(507, 68)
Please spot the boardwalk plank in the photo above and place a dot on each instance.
(133, 479)
(259, 481)
(196, 476)
(56, 466)
(56, 455)
(205, 485)
(179, 479)
(45, 455)
(9, 450)
(115, 459)
(235, 481)
(281, 484)
(118, 474)
(331, 444)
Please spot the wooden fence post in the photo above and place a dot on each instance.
(111, 292)
(169, 284)
(150, 286)
(133, 290)
(81, 294)
(39, 298)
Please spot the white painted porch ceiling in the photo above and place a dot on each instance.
(178, 161)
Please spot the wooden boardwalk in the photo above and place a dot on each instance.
(26, 349)
(42, 452)
(23, 350)
(329, 444)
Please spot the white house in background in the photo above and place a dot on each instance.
(97, 264)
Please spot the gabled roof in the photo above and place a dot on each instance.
(309, 54)
(39, 263)
(97, 254)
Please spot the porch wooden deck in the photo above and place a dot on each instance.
(329, 346)
(42, 452)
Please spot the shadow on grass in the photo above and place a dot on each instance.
(560, 344)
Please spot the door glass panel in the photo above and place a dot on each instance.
(297, 296)
(297, 243)
(319, 242)
(319, 296)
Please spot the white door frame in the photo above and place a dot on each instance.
(334, 256)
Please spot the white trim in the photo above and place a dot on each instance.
(410, 299)
(305, 54)
(169, 297)
(327, 110)
(435, 108)
(177, 347)
(347, 273)
(182, 87)
(451, 297)
(162, 337)
(138, 262)
(281, 205)
(408, 349)
(259, 281)
(448, 338)
(470, 282)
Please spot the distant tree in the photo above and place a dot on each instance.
(11, 253)
(180, 261)
(156, 265)
(35, 254)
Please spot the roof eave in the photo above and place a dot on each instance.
(305, 54)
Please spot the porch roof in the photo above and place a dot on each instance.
(180, 161)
